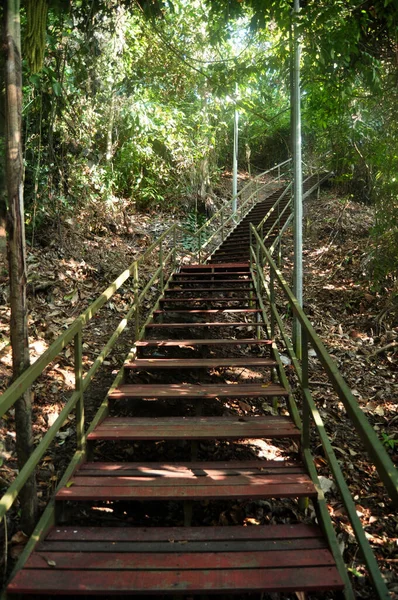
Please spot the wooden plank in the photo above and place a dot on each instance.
(203, 342)
(167, 479)
(245, 282)
(182, 275)
(172, 546)
(196, 492)
(208, 311)
(171, 582)
(263, 465)
(134, 561)
(226, 265)
(187, 390)
(208, 289)
(153, 434)
(211, 533)
(200, 363)
(204, 299)
(168, 471)
(210, 324)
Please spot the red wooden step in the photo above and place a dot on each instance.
(192, 391)
(207, 311)
(208, 299)
(210, 324)
(186, 276)
(198, 363)
(194, 428)
(245, 282)
(202, 342)
(227, 265)
(104, 561)
(183, 482)
(207, 289)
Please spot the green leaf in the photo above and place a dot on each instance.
(57, 88)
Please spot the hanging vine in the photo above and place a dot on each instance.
(35, 37)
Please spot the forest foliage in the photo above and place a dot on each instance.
(133, 102)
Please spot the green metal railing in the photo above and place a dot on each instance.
(167, 258)
(219, 226)
(310, 415)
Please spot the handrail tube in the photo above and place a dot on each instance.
(227, 206)
(277, 222)
(258, 177)
(13, 490)
(282, 231)
(27, 378)
(231, 217)
(346, 496)
(375, 449)
(271, 210)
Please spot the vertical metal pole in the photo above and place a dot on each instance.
(235, 163)
(258, 267)
(222, 225)
(161, 277)
(78, 353)
(174, 247)
(136, 301)
(305, 434)
(298, 182)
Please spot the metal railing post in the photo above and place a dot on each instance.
(272, 300)
(222, 226)
(78, 356)
(174, 247)
(199, 246)
(136, 301)
(305, 432)
(161, 276)
(304, 385)
(258, 278)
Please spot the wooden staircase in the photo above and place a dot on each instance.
(236, 246)
(213, 326)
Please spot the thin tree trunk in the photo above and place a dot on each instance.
(16, 254)
(3, 190)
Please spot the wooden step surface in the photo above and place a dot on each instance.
(177, 481)
(244, 282)
(211, 324)
(207, 311)
(102, 561)
(207, 289)
(202, 342)
(231, 266)
(222, 300)
(192, 391)
(194, 428)
(198, 363)
(186, 276)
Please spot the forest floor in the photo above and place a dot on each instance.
(69, 269)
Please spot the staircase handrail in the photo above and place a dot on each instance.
(245, 187)
(384, 465)
(74, 334)
(380, 458)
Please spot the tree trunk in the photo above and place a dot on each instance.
(3, 190)
(16, 253)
